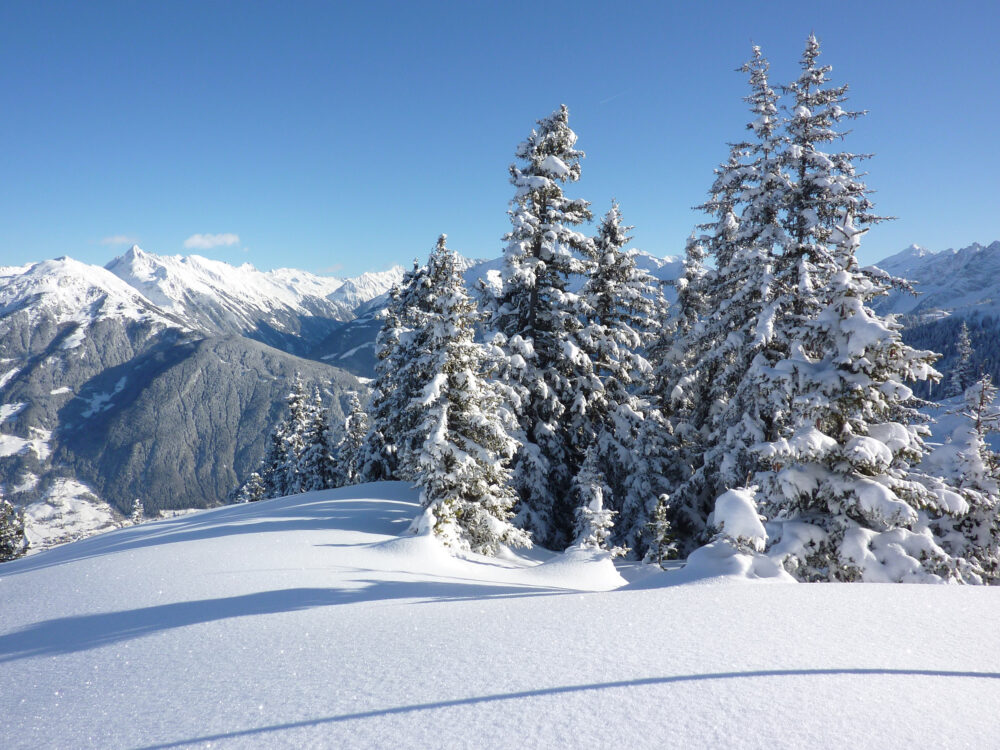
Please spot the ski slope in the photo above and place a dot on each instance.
(310, 621)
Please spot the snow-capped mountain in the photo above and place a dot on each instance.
(283, 308)
(116, 379)
(368, 286)
(953, 287)
(965, 282)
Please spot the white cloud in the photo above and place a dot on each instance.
(120, 239)
(208, 241)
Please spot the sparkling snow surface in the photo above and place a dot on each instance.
(307, 622)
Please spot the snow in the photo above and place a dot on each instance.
(102, 401)
(736, 516)
(12, 445)
(73, 292)
(308, 622)
(60, 391)
(6, 377)
(10, 410)
(68, 510)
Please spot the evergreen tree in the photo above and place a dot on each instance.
(461, 466)
(841, 481)
(976, 535)
(282, 473)
(734, 339)
(962, 372)
(536, 320)
(12, 540)
(138, 513)
(619, 304)
(251, 490)
(390, 436)
(594, 522)
(316, 464)
(349, 447)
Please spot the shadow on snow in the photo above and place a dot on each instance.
(862, 672)
(66, 635)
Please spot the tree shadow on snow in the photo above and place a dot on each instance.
(298, 513)
(564, 689)
(66, 635)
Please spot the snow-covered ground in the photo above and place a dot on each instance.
(310, 622)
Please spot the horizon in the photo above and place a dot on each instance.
(338, 140)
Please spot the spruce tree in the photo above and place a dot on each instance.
(734, 339)
(389, 440)
(251, 490)
(841, 484)
(138, 513)
(348, 451)
(13, 543)
(316, 463)
(962, 373)
(629, 450)
(975, 536)
(536, 320)
(461, 466)
(282, 473)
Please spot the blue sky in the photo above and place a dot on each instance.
(343, 137)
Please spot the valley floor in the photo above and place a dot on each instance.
(309, 622)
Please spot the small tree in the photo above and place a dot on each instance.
(138, 514)
(962, 374)
(390, 437)
(251, 490)
(594, 522)
(977, 470)
(316, 463)
(348, 452)
(13, 543)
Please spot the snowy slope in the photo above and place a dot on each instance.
(307, 622)
(962, 281)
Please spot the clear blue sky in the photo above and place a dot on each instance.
(343, 137)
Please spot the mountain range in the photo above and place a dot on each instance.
(161, 377)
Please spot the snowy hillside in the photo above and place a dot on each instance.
(308, 622)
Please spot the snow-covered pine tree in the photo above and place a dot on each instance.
(348, 452)
(138, 514)
(251, 490)
(316, 463)
(735, 337)
(976, 535)
(619, 303)
(281, 466)
(388, 440)
(535, 317)
(461, 467)
(594, 522)
(842, 487)
(13, 543)
(672, 353)
(963, 373)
